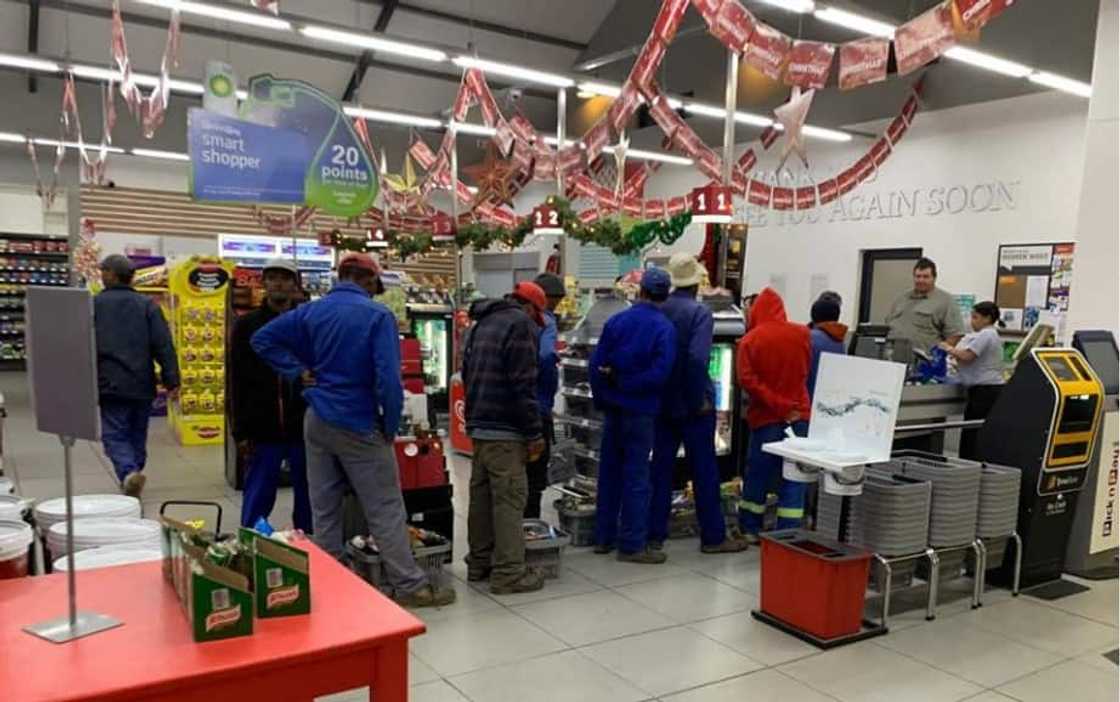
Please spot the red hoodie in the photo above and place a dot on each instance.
(773, 363)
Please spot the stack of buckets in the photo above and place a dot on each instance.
(16, 535)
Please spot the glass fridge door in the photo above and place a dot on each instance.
(720, 368)
(432, 334)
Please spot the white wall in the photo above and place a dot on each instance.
(962, 182)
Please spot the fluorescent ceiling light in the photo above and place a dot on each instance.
(471, 128)
(156, 153)
(826, 134)
(146, 80)
(988, 62)
(799, 6)
(29, 62)
(655, 156)
(517, 72)
(603, 89)
(74, 145)
(12, 138)
(373, 43)
(96, 73)
(229, 14)
(584, 95)
(855, 22)
(553, 141)
(392, 117)
(1066, 85)
(698, 108)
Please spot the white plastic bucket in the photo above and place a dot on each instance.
(105, 556)
(51, 512)
(13, 507)
(15, 538)
(848, 484)
(7, 487)
(94, 532)
(799, 472)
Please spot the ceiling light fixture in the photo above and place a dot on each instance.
(988, 62)
(373, 43)
(12, 138)
(1066, 85)
(516, 72)
(29, 62)
(471, 128)
(698, 108)
(74, 145)
(825, 133)
(604, 89)
(855, 22)
(229, 14)
(655, 156)
(393, 117)
(158, 153)
(798, 6)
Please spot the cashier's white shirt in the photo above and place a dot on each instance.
(987, 369)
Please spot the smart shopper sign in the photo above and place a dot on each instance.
(292, 145)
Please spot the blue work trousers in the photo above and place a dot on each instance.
(622, 505)
(698, 434)
(124, 434)
(262, 477)
(763, 473)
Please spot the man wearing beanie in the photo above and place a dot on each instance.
(629, 370)
(688, 416)
(826, 333)
(548, 383)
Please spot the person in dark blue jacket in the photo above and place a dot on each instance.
(629, 369)
(132, 335)
(826, 333)
(548, 382)
(688, 416)
(345, 348)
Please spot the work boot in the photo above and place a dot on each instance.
(752, 538)
(603, 549)
(530, 581)
(427, 596)
(655, 545)
(645, 557)
(133, 483)
(474, 574)
(728, 545)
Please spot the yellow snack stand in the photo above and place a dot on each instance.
(198, 289)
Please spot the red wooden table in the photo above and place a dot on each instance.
(353, 637)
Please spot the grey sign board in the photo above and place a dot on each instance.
(62, 361)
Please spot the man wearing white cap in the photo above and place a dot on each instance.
(266, 410)
(688, 416)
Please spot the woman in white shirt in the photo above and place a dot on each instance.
(980, 369)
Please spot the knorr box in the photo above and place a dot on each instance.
(281, 580)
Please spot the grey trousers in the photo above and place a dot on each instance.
(337, 458)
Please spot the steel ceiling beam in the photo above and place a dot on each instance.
(382, 23)
(32, 40)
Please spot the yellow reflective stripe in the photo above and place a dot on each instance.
(791, 512)
(752, 507)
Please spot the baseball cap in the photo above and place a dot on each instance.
(825, 310)
(361, 261)
(528, 291)
(685, 271)
(281, 264)
(117, 264)
(551, 284)
(655, 281)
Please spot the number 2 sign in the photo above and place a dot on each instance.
(546, 220)
(711, 203)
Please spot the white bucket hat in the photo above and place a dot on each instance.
(685, 271)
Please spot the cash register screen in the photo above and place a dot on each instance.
(1078, 414)
(1101, 355)
(1061, 368)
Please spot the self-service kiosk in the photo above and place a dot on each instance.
(1045, 422)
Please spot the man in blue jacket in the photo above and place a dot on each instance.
(629, 370)
(548, 382)
(131, 335)
(346, 350)
(688, 415)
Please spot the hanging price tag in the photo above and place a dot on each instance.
(546, 220)
(711, 203)
(443, 227)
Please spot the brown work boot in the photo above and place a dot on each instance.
(427, 596)
(752, 538)
(655, 545)
(475, 574)
(530, 581)
(728, 545)
(603, 549)
(645, 556)
(133, 483)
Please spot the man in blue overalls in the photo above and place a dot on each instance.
(688, 415)
(629, 370)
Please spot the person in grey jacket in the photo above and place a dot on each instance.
(132, 336)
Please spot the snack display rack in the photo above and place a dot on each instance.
(26, 259)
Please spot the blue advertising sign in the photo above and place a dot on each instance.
(237, 161)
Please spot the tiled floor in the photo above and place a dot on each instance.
(680, 632)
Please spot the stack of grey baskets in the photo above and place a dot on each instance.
(890, 517)
(999, 501)
(955, 499)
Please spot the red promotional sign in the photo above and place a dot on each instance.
(676, 205)
(747, 161)
(710, 200)
(523, 128)
(768, 50)
(782, 198)
(708, 9)
(827, 191)
(423, 155)
(805, 198)
(810, 63)
(734, 25)
(588, 216)
(504, 138)
(668, 19)
(655, 209)
(709, 164)
(975, 14)
(570, 159)
(596, 139)
(544, 165)
(443, 227)
(846, 181)
(864, 168)
(863, 62)
(648, 62)
(880, 151)
(665, 116)
(897, 129)
(739, 181)
(768, 137)
(623, 106)
(546, 220)
(923, 39)
(758, 193)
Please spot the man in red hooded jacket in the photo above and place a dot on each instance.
(772, 367)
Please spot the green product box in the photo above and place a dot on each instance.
(280, 576)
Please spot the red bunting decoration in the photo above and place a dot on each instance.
(768, 50)
(809, 64)
(923, 39)
(863, 62)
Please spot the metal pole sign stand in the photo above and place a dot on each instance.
(62, 368)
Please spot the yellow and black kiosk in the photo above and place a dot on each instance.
(1046, 423)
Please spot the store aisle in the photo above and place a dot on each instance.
(680, 632)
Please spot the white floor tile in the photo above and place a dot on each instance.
(560, 677)
(609, 572)
(740, 571)
(968, 652)
(990, 696)
(569, 583)
(1043, 627)
(754, 639)
(671, 660)
(763, 685)
(467, 643)
(438, 691)
(593, 617)
(468, 602)
(420, 672)
(1097, 659)
(1069, 680)
(689, 598)
(865, 672)
(1101, 603)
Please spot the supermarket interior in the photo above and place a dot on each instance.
(689, 350)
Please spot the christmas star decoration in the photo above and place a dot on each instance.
(620, 162)
(792, 116)
(405, 182)
(494, 178)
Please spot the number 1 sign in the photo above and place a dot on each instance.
(546, 220)
(711, 204)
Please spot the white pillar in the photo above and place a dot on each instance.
(1096, 263)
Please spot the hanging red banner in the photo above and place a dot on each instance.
(810, 63)
(923, 39)
(523, 128)
(880, 151)
(782, 198)
(503, 138)
(570, 159)
(975, 14)
(733, 26)
(668, 19)
(708, 9)
(909, 109)
(758, 193)
(676, 206)
(649, 60)
(827, 191)
(863, 62)
(768, 136)
(805, 198)
(597, 139)
(655, 209)
(897, 130)
(423, 155)
(846, 181)
(747, 161)
(864, 168)
(709, 164)
(768, 51)
(665, 116)
(623, 106)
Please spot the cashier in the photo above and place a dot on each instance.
(979, 357)
(926, 315)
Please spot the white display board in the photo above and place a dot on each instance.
(855, 405)
(62, 362)
(1105, 536)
